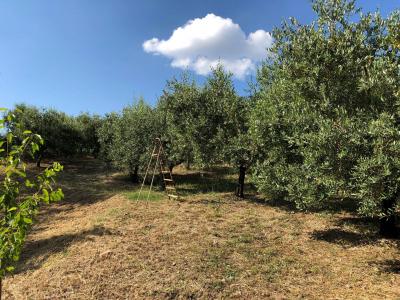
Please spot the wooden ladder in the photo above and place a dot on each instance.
(158, 162)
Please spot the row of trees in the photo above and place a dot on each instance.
(65, 136)
(201, 125)
(204, 125)
(322, 122)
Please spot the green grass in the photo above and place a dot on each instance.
(145, 196)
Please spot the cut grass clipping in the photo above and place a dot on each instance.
(144, 196)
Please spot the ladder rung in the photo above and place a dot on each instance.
(170, 187)
(169, 180)
(165, 172)
(155, 155)
(172, 196)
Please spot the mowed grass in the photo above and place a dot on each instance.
(145, 195)
(100, 243)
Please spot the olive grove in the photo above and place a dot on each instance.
(327, 117)
(321, 126)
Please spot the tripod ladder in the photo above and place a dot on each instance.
(158, 162)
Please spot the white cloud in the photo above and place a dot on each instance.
(204, 42)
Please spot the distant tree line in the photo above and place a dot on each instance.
(64, 136)
(322, 122)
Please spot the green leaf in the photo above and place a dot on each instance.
(9, 137)
(29, 184)
(28, 220)
(34, 147)
(45, 196)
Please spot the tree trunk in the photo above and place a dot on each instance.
(388, 224)
(162, 183)
(188, 163)
(39, 160)
(240, 187)
(135, 175)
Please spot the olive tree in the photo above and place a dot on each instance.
(207, 125)
(239, 149)
(105, 134)
(133, 135)
(220, 133)
(177, 109)
(327, 109)
(226, 123)
(87, 127)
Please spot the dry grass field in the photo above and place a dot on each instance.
(99, 243)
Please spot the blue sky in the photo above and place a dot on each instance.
(88, 55)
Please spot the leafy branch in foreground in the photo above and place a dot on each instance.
(20, 194)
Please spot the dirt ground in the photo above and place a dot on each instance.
(99, 243)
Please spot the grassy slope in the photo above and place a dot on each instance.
(99, 244)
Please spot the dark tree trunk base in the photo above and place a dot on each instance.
(38, 161)
(187, 164)
(388, 227)
(240, 188)
(135, 175)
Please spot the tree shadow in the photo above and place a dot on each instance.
(345, 238)
(389, 266)
(276, 203)
(85, 182)
(207, 182)
(362, 224)
(36, 253)
(337, 206)
(333, 206)
(366, 231)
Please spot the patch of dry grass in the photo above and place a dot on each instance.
(98, 244)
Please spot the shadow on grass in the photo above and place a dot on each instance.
(213, 180)
(363, 224)
(390, 266)
(36, 253)
(345, 238)
(333, 206)
(338, 205)
(366, 231)
(195, 183)
(277, 203)
(87, 181)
